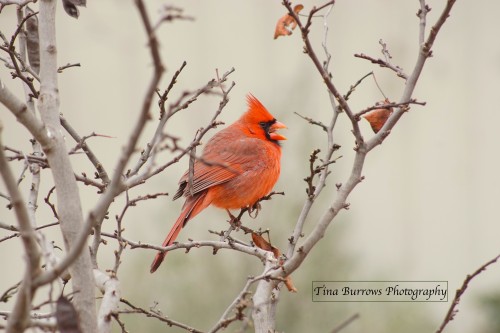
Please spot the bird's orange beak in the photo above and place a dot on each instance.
(272, 131)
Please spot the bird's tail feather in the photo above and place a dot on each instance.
(192, 207)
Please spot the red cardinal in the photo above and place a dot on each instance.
(240, 165)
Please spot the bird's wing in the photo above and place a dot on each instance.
(222, 160)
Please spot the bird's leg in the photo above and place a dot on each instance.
(254, 208)
(235, 224)
(234, 220)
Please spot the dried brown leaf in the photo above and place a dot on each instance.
(287, 23)
(260, 242)
(66, 316)
(289, 284)
(70, 6)
(378, 117)
(32, 40)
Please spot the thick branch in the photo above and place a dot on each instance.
(337, 205)
(19, 318)
(110, 287)
(265, 300)
(20, 3)
(68, 198)
(20, 111)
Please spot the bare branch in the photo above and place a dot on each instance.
(20, 3)
(153, 313)
(144, 115)
(354, 86)
(18, 320)
(140, 178)
(69, 205)
(110, 287)
(11, 291)
(20, 111)
(398, 70)
(103, 175)
(239, 303)
(422, 15)
(122, 244)
(171, 13)
(146, 153)
(424, 54)
(313, 122)
(450, 315)
(34, 158)
(62, 68)
(15, 58)
(228, 244)
(17, 233)
(403, 105)
(73, 255)
(117, 184)
(295, 258)
(345, 323)
(324, 74)
(266, 299)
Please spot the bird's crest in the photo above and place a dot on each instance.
(256, 111)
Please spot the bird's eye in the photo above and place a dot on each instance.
(262, 124)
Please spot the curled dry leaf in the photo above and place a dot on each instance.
(32, 40)
(70, 6)
(378, 117)
(287, 23)
(260, 242)
(66, 316)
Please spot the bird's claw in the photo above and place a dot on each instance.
(253, 211)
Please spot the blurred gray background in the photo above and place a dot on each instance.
(427, 209)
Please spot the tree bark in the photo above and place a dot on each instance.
(68, 198)
(265, 300)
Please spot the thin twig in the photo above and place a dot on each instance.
(411, 82)
(164, 117)
(332, 147)
(101, 171)
(140, 178)
(405, 105)
(11, 291)
(313, 122)
(450, 315)
(10, 49)
(62, 68)
(345, 323)
(354, 86)
(20, 3)
(305, 29)
(215, 245)
(224, 321)
(21, 307)
(119, 221)
(153, 313)
(17, 234)
(398, 70)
